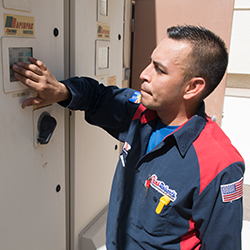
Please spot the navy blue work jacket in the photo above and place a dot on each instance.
(196, 167)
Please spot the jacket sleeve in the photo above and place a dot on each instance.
(218, 216)
(107, 107)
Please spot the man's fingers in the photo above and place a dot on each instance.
(27, 73)
(22, 68)
(28, 82)
(37, 62)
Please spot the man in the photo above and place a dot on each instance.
(178, 182)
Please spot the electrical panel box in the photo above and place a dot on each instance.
(32, 158)
(34, 185)
(97, 52)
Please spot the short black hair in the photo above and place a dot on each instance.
(209, 56)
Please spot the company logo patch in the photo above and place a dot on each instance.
(136, 97)
(162, 188)
(233, 191)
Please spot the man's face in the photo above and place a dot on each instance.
(163, 87)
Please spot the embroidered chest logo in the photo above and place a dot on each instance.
(232, 191)
(162, 188)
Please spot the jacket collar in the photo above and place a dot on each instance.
(184, 136)
(187, 133)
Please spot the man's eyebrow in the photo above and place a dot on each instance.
(159, 64)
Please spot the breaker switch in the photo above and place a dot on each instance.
(46, 126)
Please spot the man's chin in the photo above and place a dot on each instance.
(147, 104)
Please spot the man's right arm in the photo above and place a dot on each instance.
(107, 107)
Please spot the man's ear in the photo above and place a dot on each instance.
(194, 87)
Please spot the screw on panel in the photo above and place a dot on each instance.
(58, 188)
(56, 32)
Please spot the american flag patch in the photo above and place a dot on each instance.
(233, 191)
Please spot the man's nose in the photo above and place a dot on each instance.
(145, 74)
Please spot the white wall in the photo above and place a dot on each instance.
(236, 124)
